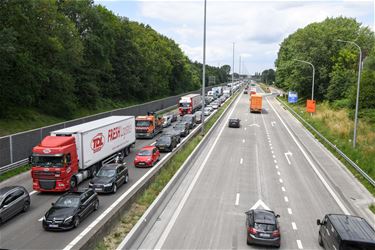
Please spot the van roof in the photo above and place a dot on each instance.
(352, 228)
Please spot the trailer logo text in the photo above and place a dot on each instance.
(97, 142)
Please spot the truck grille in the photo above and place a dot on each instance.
(43, 175)
(47, 184)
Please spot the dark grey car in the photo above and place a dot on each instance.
(13, 200)
(190, 119)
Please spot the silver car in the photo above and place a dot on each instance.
(13, 200)
(167, 121)
(207, 111)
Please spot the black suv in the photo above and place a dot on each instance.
(68, 211)
(234, 123)
(110, 177)
(262, 227)
(182, 128)
(173, 133)
(166, 143)
(13, 200)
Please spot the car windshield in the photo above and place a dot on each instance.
(67, 201)
(180, 126)
(233, 120)
(264, 227)
(186, 119)
(144, 153)
(207, 109)
(142, 123)
(106, 172)
(164, 139)
(47, 161)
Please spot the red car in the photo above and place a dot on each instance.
(147, 156)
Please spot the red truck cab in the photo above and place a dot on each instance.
(54, 161)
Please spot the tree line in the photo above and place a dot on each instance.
(336, 63)
(59, 55)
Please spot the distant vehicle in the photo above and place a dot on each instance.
(253, 91)
(190, 119)
(167, 121)
(182, 128)
(188, 104)
(174, 133)
(262, 227)
(70, 209)
(212, 94)
(198, 117)
(218, 90)
(166, 143)
(256, 103)
(13, 200)
(147, 126)
(245, 90)
(227, 91)
(174, 117)
(68, 156)
(147, 156)
(207, 111)
(234, 123)
(345, 232)
(215, 105)
(110, 177)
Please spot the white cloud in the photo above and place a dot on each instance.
(257, 27)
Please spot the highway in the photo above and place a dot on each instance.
(25, 231)
(271, 161)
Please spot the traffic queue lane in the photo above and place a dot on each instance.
(250, 167)
(25, 230)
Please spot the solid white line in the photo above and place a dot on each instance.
(241, 161)
(278, 173)
(299, 243)
(286, 199)
(281, 180)
(237, 199)
(33, 192)
(289, 210)
(283, 188)
(325, 183)
(294, 226)
(176, 213)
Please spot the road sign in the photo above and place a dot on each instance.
(310, 106)
(292, 97)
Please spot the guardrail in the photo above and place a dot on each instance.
(352, 163)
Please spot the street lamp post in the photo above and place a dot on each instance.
(313, 76)
(358, 84)
(204, 66)
(233, 65)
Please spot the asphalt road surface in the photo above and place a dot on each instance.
(270, 160)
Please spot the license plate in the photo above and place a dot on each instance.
(264, 235)
(98, 189)
(53, 225)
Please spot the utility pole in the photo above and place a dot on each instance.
(239, 67)
(204, 66)
(233, 64)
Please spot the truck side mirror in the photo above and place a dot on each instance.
(318, 222)
(30, 159)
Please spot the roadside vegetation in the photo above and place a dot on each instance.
(67, 59)
(145, 199)
(14, 172)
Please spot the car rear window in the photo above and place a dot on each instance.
(264, 227)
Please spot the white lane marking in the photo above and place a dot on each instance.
(270, 144)
(273, 123)
(245, 128)
(176, 213)
(287, 158)
(281, 180)
(260, 203)
(325, 183)
(243, 140)
(271, 151)
(289, 210)
(40, 219)
(271, 148)
(286, 199)
(278, 173)
(33, 192)
(153, 143)
(273, 156)
(237, 199)
(277, 167)
(275, 161)
(241, 161)
(294, 226)
(254, 124)
(245, 120)
(283, 188)
(299, 243)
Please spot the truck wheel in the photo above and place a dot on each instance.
(73, 183)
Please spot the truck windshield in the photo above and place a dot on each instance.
(142, 123)
(184, 104)
(47, 161)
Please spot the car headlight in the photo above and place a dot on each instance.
(68, 220)
(107, 185)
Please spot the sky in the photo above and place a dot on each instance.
(255, 27)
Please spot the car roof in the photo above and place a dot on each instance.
(5, 190)
(352, 228)
(149, 147)
(264, 216)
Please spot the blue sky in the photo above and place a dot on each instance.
(256, 27)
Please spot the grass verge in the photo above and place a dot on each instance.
(372, 208)
(14, 172)
(333, 125)
(145, 199)
(265, 87)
